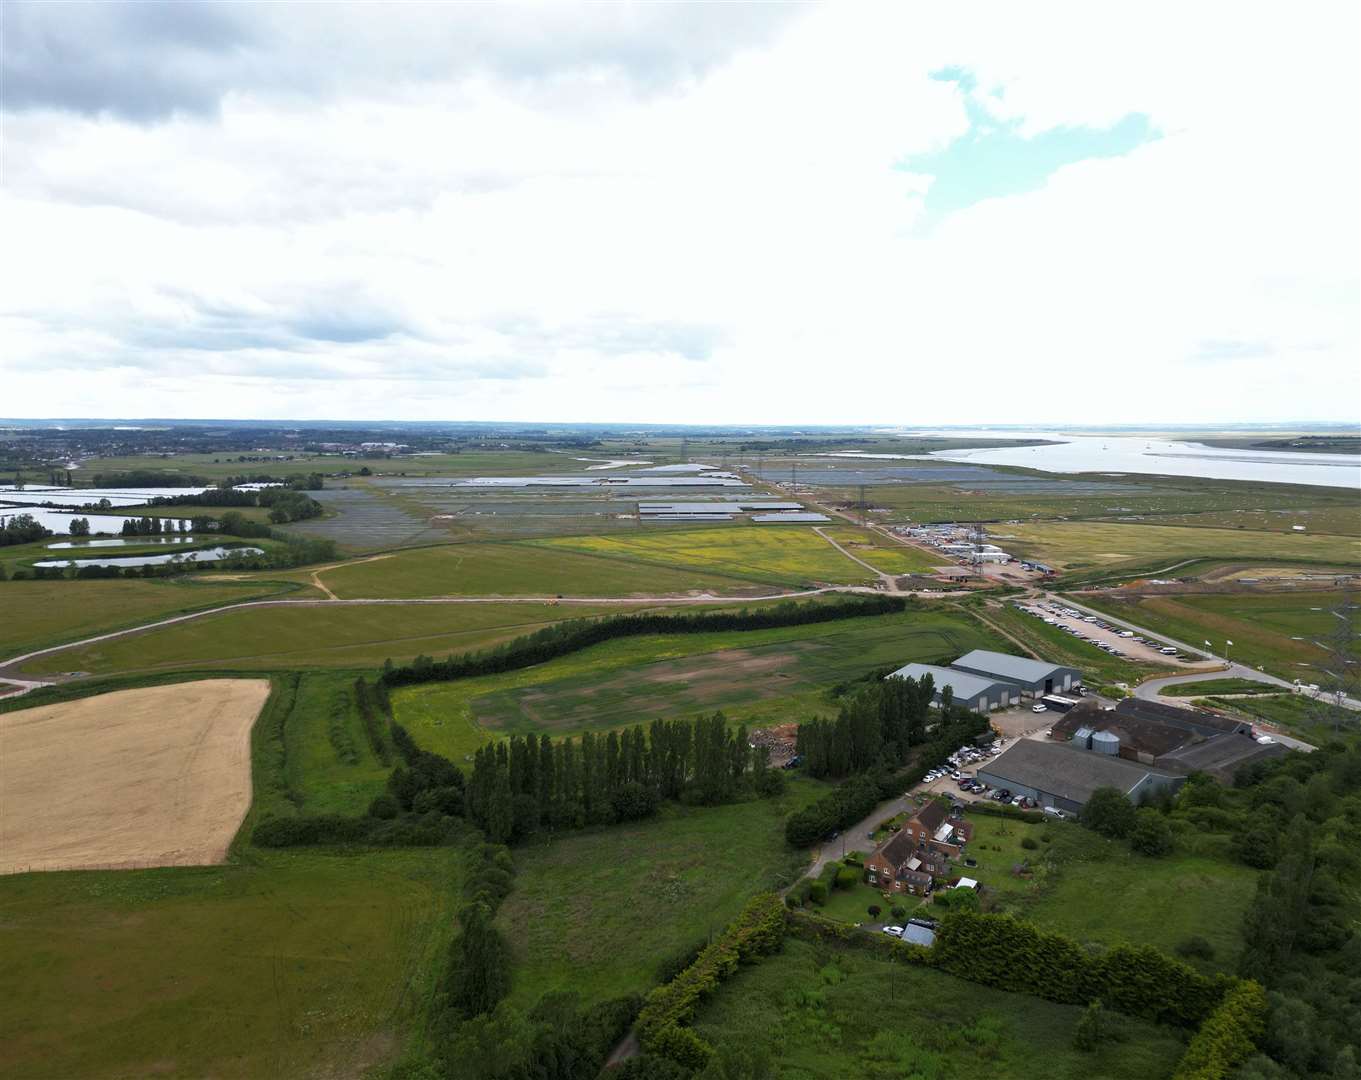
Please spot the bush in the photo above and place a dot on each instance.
(874, 910)
(847, 877)
(1091, 1029)
(1029, 843)
(817, 892)
(1196, 948)
(1151, 834)
(898, 912)
(1228, 1037)
(385, 807)
(1109, 813)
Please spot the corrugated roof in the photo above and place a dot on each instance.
(770, 519)
(1063, 770)
(964, 685)
(1005, 666)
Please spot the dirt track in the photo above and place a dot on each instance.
(158, 776)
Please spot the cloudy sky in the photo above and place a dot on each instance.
(903, 214)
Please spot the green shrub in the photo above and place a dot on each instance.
(1029, 843)
(1196, 948)
(817, 892)
(1228, 1037)
(1151, 834)
(848, 877)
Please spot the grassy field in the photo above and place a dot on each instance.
(516, 569)
(789, 556)
(1343, 520)
(1303, 716)
(599, 912)
(822, 1011)
(882, 552)
(755, 676)
(1218, 686)
(292, 964)
(297, 636)
(1274, 631)
(42, 613)
(1078, 545)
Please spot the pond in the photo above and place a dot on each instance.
(128, 541)
(205, 555)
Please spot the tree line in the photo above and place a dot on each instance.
(526, 784)
(884, 718)
(569, 637)
(22, 529)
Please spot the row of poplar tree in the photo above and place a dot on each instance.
(527, 783)
(880, 722)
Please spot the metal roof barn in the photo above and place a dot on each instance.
(1035, 677)
(1062, 776)
(970, 691)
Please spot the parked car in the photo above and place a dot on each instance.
(1039, 708)
(1054, 811)
(896, 931)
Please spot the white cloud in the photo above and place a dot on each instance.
(633, 223)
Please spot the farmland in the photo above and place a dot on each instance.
(753, 676)
(198, 764)
(42, 613)
(789, 556)
(884, 554)
(1275, 631)
(293, 636)
(819, 1011)
(1085, 545)
(514, 569)
(282, 964)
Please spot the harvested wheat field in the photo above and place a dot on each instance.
(158, 776)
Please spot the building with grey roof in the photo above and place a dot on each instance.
(1035, 677)
(1061, 776)
(971, 691)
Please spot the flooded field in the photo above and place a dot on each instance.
(212, 554)
(127, 541)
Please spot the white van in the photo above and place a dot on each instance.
(1054, 811)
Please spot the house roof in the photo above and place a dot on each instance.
(898, 849)
(964, 684)
(931, 815)
(1064, 770)
(1005, 666)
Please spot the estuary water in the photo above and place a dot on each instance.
(212, 554)
(1068, 453)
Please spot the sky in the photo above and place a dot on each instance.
(897, 214)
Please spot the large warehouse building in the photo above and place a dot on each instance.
(1035, 677)
(1064, 777)
(970, 691)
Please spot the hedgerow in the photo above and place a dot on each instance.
(757, 931)
(1228, 1037)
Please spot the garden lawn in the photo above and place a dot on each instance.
(298, 636)
(599, 912)
(515, 569)
(42, 613)
(824, 1011)
(789, 556)
(292, 964)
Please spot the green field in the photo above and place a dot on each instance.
(518, 569)
(298, 636)
(599, 912)
(882, 552)
(1311, 719)
(1073, 545)
(823, 1011)
(789, 556)
(1218, 686)
(756, 676)
(290, 964)
(42, 613)
(1274, 631)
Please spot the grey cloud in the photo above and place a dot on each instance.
(146, 61)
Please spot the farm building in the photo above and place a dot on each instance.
(1035, 677)
(1195, 720)
(971, 691)
(1176, 747)
(1065, 777)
